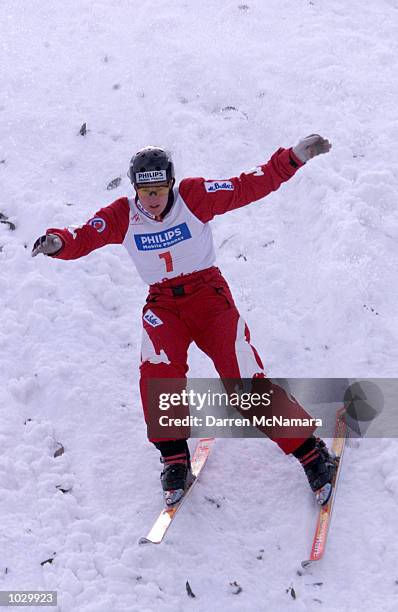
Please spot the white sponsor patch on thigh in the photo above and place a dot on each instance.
(152, 319)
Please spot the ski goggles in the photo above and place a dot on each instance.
(152, 190)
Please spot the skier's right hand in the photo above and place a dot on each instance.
(48, 245)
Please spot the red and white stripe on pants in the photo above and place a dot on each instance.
(205, 313)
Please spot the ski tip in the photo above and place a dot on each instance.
(144, 540)
(307, 563)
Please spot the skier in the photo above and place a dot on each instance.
(166, 231)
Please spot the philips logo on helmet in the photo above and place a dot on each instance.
(212, 186)
(161, 240)
(152, 176)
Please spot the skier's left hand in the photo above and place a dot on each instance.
(310, 146)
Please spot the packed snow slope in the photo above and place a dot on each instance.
(312, 267)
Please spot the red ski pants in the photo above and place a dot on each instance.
(199, 308)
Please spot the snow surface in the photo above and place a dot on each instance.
(312, 268)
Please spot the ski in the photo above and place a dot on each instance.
(325, 512)
(166, 517)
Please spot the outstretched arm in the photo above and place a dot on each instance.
(108, 226)
(207, 198)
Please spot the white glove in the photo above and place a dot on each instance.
(48, 245)
(310, 146)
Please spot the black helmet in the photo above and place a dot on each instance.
(150, 165)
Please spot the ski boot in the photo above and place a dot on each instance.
(176, 478)
(320, 468)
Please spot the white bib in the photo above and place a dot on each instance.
(180, 244)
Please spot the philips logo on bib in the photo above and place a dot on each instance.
(161, 240)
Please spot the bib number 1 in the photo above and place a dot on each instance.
(168, 260)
